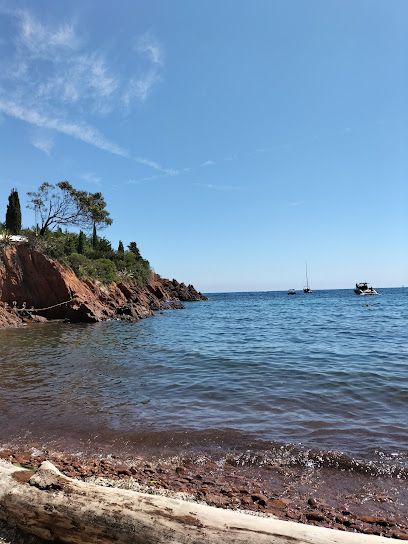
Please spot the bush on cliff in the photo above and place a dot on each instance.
(103, 270)
(77, 262)
(131, 266)
(58, 244)
(102, 250)
(101, 262)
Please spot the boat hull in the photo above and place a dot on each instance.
(365, 293)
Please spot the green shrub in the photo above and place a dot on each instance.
(141, 273)
(101, 263)
(77, 262)
(103, 270)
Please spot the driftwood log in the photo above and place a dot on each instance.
(57, 508)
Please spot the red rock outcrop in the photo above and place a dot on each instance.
(29, 279)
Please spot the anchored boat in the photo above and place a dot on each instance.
(307, 288)
(363, 289)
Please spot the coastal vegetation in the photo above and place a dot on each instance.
(13, 213)
(90, 256)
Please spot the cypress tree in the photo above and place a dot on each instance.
(94, 237)
(81, 243)
(134, 249)
(13, 214)
(121, 249)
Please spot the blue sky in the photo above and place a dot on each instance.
(233, 140)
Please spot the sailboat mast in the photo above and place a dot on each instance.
(307, 279)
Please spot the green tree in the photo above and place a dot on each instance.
(132, 247)
(94, 237)
(61, 205)
(121, 249)
(81, 243)
(13, 214)
(93, 206)
(105, 248)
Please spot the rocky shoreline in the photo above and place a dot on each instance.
(224, 485)
(35, 288)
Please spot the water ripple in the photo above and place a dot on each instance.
(328, 371)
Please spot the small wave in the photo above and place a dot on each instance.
(292, 456)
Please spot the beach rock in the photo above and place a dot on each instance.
(315, 516)
(343, 520)
(217, 500)
(293, 515)
(279, 504)
(260, 499)
(401, 536)
(123, 470)
(375, 520)
(23, 458)
(6, 454)
(312, 502)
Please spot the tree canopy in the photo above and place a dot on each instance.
(63, 205)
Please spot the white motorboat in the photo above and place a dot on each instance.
(363, 289)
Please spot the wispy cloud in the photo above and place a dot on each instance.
(40, 40)
(51, 80)
(140, 87)
(142, 180)
(208, 163)
(149, 45)
(156, 166)
(43, 141)
(80, 131)
(85, 78)
(215, 187)
(90, 177)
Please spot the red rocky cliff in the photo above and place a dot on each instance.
(30, 279)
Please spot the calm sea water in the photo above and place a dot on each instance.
(326, 371)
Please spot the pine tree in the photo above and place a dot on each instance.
(134, 249)
(13, 214)
(81, 243)
(121, 249)
(94, 237)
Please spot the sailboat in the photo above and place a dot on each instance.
(307, 288)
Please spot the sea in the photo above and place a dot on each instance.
(312, 378)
